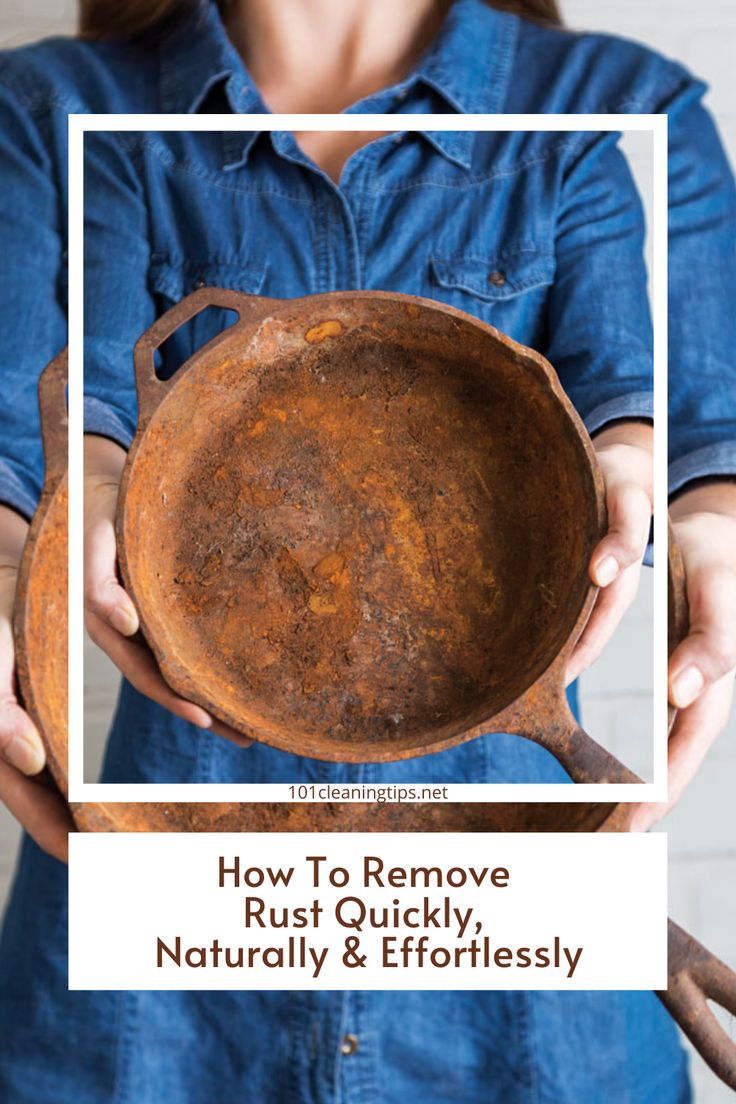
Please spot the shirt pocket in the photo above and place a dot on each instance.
(507, 287)
(171, 280)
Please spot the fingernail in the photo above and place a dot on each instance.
(123, 621)
(687, 686)
(606, 571)
(26, 755)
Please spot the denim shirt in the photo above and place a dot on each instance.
(431, 213)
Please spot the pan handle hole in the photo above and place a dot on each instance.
(189, 338)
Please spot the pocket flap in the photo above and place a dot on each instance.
(495, 277)
(175, 279)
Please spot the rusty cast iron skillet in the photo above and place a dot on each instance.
(356, 527)
(694, 975)
(41, 601)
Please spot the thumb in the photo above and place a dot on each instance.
(20, 743)
(708, 652)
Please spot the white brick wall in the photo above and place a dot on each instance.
(616, 694)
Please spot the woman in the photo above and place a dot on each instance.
(586, 284)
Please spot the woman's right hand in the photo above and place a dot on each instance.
(38, 807)
(110, 616)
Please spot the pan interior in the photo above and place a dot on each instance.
(367, 543)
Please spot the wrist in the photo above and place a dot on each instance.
(104, 460)
(717, 497)
(13, 533)
(626, 461)
(635, 434)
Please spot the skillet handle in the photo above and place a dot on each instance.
(580, 755)
(694, 977)
(54, 422)
(149, 387)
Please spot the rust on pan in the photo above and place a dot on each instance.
(357, 817)
(677, 607)
(695, 976)
(677, 610)
(356, 527)
(41, 602)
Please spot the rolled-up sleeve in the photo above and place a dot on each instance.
(600, 332)
(32, 309)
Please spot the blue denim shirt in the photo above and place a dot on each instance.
(427, 213)
(434, 214)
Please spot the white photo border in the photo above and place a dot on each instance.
(656, 125)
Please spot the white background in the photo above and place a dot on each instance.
(604, 893)
(703, 830)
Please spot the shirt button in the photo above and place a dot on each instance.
(349, 1044)
(498, 279)
(199, 283)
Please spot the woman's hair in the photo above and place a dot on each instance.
(108, 19)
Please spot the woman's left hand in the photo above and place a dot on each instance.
(624, 452)
(702, 667)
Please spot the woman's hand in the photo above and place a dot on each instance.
(39, 807)
(702, 667)
(110, 616)
(624, 453)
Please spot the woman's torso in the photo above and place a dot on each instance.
(428, 215)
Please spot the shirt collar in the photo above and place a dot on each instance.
(197, 57)
(194, 61)
(469, 61)
(467, 67)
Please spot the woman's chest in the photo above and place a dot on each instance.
(406, 217)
